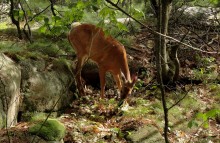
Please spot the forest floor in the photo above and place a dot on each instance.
(93, 120)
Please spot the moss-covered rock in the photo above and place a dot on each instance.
(49, 48)
(44, 84)
(50, 130)
(2, 118)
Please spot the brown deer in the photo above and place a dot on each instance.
(90, 42)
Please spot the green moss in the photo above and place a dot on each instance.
(11, 47)
(3, 25)
(49, 49)
(142, 108)
(62, 64)
(38, 116)
(51, 130)
(2, 119)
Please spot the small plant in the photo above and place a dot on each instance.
(141, 110)
(204, 117)
(207, 69)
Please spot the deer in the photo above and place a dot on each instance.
(90, 42)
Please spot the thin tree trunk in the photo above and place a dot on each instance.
(161, 61)
(14, 21)
(165, 9)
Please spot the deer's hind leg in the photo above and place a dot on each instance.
(79, 65)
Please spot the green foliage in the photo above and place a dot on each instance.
(211, 114)
(108, 15)
(46, 48)
(125, 40)
(215, 2)
(57, 24)
(64, 14)
(192, 123)
(11, 47)
(118, 132)
(3, 25)
(18, 14)
(51, 130)
(214, 92)
(138, 84)
(141, 110)
(206, 70)
(62, 64)
(137, 13)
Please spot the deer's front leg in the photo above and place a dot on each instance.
(117, 79)
(102, 81)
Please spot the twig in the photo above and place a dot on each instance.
(38, 13)
(52, 7)
(207, 44)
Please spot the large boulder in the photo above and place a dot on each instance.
(45, 85)
(10, 97)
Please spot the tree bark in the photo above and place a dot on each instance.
(14, 21)
(165, 11)
(162, 56)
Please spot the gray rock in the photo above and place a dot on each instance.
(10, 97)
(45, 87)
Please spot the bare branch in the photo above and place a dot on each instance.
(155, 32)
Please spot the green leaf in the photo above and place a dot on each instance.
(56, 30)
(112, 101)
(21, 13)
(212, 113)
(46, 20)
(202, 116)
(15, 12)
(206, 124)
(122, 26)
(80, 5)
(105, 12)
(192, 123)
(154, 87)
(116, 130)
(137, 13)
(29, 13)
(42, 29)
(56, 18)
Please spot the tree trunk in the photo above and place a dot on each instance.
(14, 21)
(162, 56)
(165, 11)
